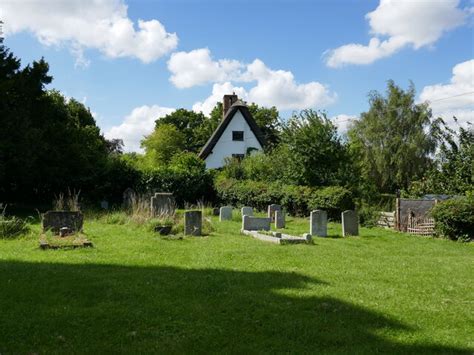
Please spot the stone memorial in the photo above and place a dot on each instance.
(250, 223)
(56, 220)
(318, 223)
(279, 219)
(163, 204)
(104, 204)
(193, 223)
(247, 211)
(225, 213)
(271, 211)
(129, 195)
(350, 223)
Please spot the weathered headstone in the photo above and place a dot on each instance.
(318, 225)
(104, 204)
(250, 223)
(129, 195)
(163, 204)
(193, 223)
(247, 211)
(271, 211)
(225, 213)
(350, 223)
(215, 211)
(55, 220)
(279, 219)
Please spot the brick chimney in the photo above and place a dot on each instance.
(228, 102)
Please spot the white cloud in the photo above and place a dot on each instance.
(139, 123)
(405, 23)
(218, 92)
(273, 87)
(343, 122)
(84, 24)
(455, 98)
(197, 67)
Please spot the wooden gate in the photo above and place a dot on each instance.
(420, 226)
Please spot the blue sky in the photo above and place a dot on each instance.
(291, 54)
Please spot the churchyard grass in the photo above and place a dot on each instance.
(137, 292)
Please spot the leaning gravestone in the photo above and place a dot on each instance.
(129, 195)
(225, 213)
(55, 220)
(350, 223)
(250, 223)
(318, 223)
(271, 211)
(193, 223)
(247, 211)
(163, 204)
(279, 219)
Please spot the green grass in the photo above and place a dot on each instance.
(135, 292)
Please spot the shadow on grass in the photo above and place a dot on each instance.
(63, 308)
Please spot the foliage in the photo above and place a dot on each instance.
(391, 144)
(453, 172)
(454, 218)
(368, 215)
(47, 143)
(315, 154)
(162, 144)
(297, 200)
(195, 128)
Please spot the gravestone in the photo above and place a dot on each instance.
(163, 204)
(250, 223)
(55, 220)
(215, 211)
(225, 213)
(104, 204)
(129, 195)
(247, 211)
(193, 223)
(271, 211)
(350, 223)
(318, 223)
(279, 219)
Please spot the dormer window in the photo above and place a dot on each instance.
(237, 135)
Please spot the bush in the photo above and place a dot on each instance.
(454, 219)
(297, 200)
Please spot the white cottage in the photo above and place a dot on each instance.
(236, 135)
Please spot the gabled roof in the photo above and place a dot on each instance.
(237, 106)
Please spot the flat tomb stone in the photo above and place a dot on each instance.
(193, 223)
(350, 223)
(318, 223)
(225, 213)
(277, 238)
(246, 211)
(279, 219)
(250, 223)
(163, 204)
(55, 220)
(271, 211)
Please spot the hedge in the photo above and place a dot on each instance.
(454, 219)
(187, 186)
(297, 200)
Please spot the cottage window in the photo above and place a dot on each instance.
(237, 135)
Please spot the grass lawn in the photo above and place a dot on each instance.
(136, 292)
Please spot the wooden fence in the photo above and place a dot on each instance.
(386, 220)
(420, 226)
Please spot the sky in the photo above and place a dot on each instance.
(132, 62)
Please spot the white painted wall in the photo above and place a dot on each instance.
(225, 147)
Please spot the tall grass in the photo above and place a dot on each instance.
(11, 227)
(68, 202)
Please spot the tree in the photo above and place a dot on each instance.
(392, 142)
(313, 151)
(163, 143)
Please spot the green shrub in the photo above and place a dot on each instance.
(368, 215)
(297, 200)
(11, 227)
(454, 219)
